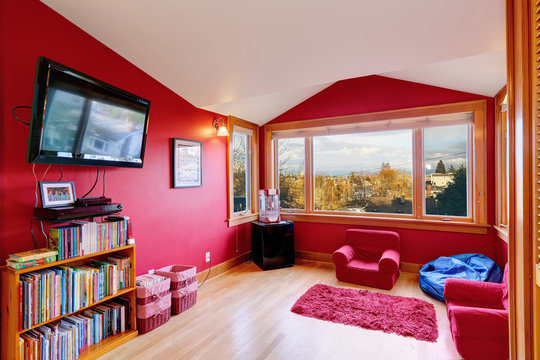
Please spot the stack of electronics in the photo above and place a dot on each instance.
(84, 207)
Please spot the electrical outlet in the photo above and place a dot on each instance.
(208, 256)
(151, 271)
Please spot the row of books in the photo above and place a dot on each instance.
(67, 338)
(87, 237)
(60, 290)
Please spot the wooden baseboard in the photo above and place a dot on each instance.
(224, 266)
(313, 256)
(323, 257)
(410, 267)
(300, 255)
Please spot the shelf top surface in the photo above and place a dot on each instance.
(281, 223)
(64, 261)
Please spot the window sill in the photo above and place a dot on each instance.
(501, 232)
(242, 219)
(433, 225)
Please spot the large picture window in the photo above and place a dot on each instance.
(364, 172)
(419, 167)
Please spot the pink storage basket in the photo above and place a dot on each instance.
(184, 298)
(180, 275)
(183, 286)
(154, 292)
(153, 314)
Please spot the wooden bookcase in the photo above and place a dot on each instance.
(9, 300)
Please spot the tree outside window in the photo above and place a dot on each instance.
(291, 168)
(241, 172)
(446, 190)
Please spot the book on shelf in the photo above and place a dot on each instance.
(30, 263)
(34, 254)
(61, 290)
(126, 219)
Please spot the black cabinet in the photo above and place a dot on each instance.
(272, 244)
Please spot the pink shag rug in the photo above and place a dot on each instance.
(370, 310)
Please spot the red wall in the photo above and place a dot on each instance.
(170, 225)
(377, 93)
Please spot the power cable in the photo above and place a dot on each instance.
(95, 183)
(33, 237)
(209, 268)
(103, 181)
(20, 107)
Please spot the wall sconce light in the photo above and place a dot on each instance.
(219, 127)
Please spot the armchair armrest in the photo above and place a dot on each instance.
(343, 255)
(475, 292)
(389, 262)
(479, 322)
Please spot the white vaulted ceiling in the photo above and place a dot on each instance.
(257, 59)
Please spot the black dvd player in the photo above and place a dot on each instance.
(76, 212)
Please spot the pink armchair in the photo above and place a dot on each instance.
(478, 315)
(369, 257)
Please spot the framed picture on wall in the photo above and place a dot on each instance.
(57, 193)
(187, 163)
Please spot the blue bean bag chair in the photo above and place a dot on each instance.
(463, 266)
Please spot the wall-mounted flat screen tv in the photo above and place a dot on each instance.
(79, 120)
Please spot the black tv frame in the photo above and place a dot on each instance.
(35, 154)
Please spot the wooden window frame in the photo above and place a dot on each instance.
(501, 165)
(252, 213)
(475, 223)
(308, 183)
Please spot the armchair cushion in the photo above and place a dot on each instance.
(474, 293)
(361, 265)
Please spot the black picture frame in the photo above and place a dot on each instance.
(57, 193)
(187, 163)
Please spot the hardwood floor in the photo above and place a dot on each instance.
(245, 314)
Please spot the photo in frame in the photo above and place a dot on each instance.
(187, 163)
(57, 193)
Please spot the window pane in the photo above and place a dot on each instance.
(241, 172)
(291, 168)
(445, 154)
(368, 172)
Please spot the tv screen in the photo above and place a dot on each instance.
(79, 120)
